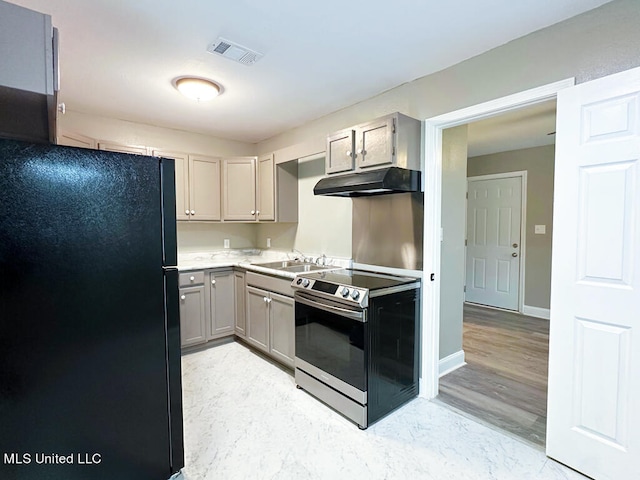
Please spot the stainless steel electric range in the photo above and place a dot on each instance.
(357, 341)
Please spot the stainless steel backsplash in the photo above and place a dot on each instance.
(388, 230)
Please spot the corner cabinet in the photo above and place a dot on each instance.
(271, 317)
(197, 186)
(392, 140)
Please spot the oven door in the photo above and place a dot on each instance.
(332, 338)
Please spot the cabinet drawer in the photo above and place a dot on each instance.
(191, 278)
(272, 284)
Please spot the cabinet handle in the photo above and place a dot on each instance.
(348, 153)
(268, 301)
(192, 278)
(265, 299)
(183, 297)
(253, 212)
(213, 282)
(257, 212)
(186, 212)
(193, 212)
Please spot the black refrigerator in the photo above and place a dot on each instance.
(90, 382)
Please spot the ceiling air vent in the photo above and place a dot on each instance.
(234, 51)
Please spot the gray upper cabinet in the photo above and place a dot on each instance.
(221, 301)
(339, 156)
(375, 143)
(239, 192)
(29, 59)
(197, 186)
(265, 185)
(392, 140)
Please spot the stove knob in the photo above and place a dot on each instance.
(355, 294)
(299, 281)
(305, 283)
(344, 292)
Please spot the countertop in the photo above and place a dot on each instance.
(247, 259)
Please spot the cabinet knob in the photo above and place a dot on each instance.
(192, 278)
(257, 212)
(183, 297)
(253, 212)
(348, 153)
(186, 212)
(213, 282)
(193, 212)
(264, 299)
(514, 254)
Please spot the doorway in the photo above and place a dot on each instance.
(493, 362)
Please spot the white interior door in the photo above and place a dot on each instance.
(494, 209)
(593, 420)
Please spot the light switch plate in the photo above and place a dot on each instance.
(226, 243)
(540, 229)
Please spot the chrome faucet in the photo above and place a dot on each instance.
(322, 260)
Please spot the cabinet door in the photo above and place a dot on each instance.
(339, 156)
(258, 318)
(72, 139)
(192, 316)
(282, 326)
(374, 143)
(115, 147)
(239, 188)
(222, 304)
(204, 188)
(266, 205)
(240, 301)
(182, 182)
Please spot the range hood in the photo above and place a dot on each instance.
(375, 182)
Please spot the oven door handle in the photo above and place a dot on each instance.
(343, 312)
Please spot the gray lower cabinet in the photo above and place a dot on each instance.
(258, 318)
(240, 304)
(281, 328)
(270, 316)
(221, 303)
(192, 310)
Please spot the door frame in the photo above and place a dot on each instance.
(522, 174)
(432, 187)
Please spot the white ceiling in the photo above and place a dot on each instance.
(524, 128)
(118, 57)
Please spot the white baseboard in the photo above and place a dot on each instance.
(536, 312)
(450, 363)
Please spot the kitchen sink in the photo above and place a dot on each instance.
(293, 266)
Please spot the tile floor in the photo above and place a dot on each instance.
(244, 419)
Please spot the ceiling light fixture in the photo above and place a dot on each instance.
(199, 89)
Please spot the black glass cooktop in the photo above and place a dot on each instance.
(359, 278)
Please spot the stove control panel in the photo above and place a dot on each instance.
(345, 293)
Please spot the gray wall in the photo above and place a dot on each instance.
(539, 163)
(452, 260)
(597, 43)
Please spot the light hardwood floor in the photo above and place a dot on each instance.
(505, 380)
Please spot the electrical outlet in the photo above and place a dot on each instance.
(540, 229)
(268, 242)
(226, 243)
